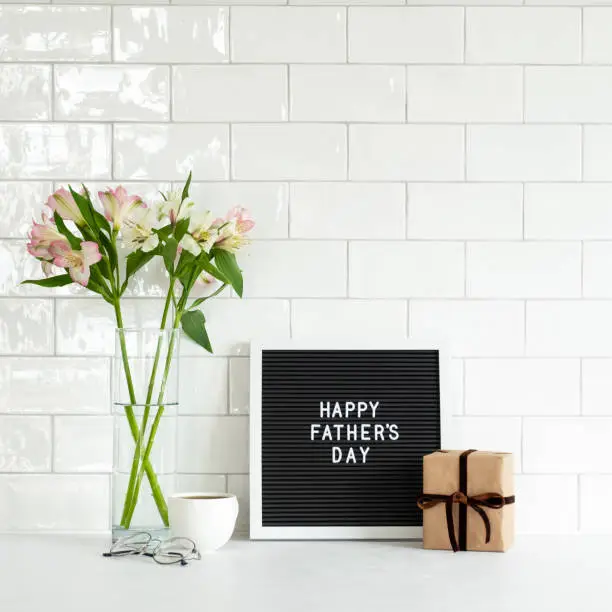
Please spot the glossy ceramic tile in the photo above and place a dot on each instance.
(288, 34)
(58, 385)
(20, 203)
(213, 444)
(186, 34)
(289, 152)
(203, 385)
(54, 151)
(25, 92)
(54, 33)
(239, 397)
(229, 93)
(169, 152)
(26, 327)
(83, 444)
(348, 93)
(268, 204)
(16, 265)
(54, 502)
(202, 483)
(113, 93)
(233, 323)
(25, 444)
(238, 484)
(87, 327)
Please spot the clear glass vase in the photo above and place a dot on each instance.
(145, 406)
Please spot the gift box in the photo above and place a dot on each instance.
(468, 501)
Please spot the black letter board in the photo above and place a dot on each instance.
(338, 441)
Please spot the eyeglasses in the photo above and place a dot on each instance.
(167, 552)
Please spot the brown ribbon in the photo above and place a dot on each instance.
(476, 502)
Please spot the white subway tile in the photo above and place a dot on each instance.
(348, 93)
(340, 2)
(441, 276)
(521, 35)
(214, 444)
(595, 500)
(524, 269)
(329, 318)
(270, 269)
(203, 385)
(406, 152)
(567, 445)
(191, 34)
(25, 92)
(16, 265)
(401, 35)
(238, 484)
(465, 94)
(268, 204)
(454, 399)
(597, 386)
(597, 150)
(533, 494)
(572, 211)
(54, 502)
(569, 328)
(229, 93)
(522, 386)
(348, 210)
(26, 327)
(465, 211)
(597, 45)
(239, 397)
(55, 33)
(568, 94)
(54, 150)
(20, 203)
(471, 328)
(59, 385)
(25, 444)
(523, 152)
(169, 152)
(289, 152)
(597, 263)
(232, 324)
(498, 434)
(201, 483)
(87, 327)
(83, 444)
(288, 34)
(112, 93)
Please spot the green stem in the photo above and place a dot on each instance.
(131, 497)
(129, 411)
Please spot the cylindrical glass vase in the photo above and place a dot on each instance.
(145, 406)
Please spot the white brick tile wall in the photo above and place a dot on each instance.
(436, 168)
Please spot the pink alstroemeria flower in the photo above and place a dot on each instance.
(64, 205)
(244, 221)
(42, 235)
(77, 262)
(118, 205)
(232, 229)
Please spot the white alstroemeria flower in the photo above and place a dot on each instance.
(202, 233)
(138, 231)
(229, 238)
(173, 206)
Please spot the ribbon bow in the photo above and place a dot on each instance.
(476, 502)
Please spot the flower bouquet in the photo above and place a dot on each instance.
(102, 250)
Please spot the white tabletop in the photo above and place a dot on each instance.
(542, 574)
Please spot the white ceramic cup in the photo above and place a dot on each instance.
(208, 519)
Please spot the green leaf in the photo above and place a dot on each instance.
(75, 242)
(194, 326)
(181, 228)
(185, 194)
(163, 195)
(86, 209)
(164, 232)
(213, 271)
(228, 266)
(102, 222)
(169, 254)
(110, 250)
(136, 260)
(201, 300)
(53, 281)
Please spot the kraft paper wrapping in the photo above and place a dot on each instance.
(488, 472)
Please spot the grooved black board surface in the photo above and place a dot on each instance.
(301, 486)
